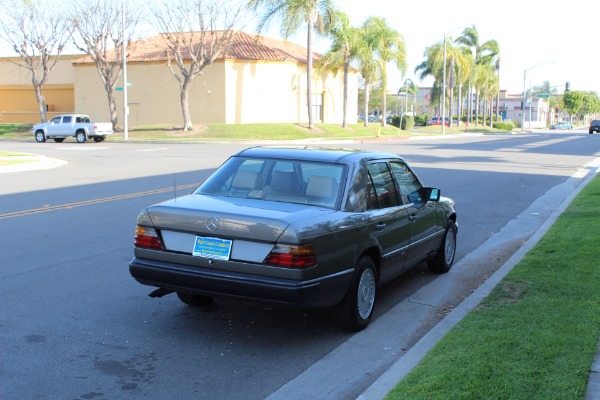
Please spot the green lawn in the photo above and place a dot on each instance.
(246, 132)
(8, 158)
(536, 335)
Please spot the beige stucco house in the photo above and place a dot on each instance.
(258, 80)
(17, 97)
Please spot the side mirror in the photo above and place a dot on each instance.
(424, 194)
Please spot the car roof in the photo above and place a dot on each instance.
(314, 153)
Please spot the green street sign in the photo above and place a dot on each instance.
(119, 88)
(543, 96)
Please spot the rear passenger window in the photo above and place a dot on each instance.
(67, 120)
(407, 181)
(383, 184)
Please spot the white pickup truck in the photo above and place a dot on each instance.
(72, 125)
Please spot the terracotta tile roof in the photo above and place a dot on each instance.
(244, 47)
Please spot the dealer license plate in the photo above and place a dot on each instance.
(209, 247)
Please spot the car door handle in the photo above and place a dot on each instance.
(380, 226)
(412, 218)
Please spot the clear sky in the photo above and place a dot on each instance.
(528, 32)
(555, 40)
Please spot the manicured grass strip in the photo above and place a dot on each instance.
(9, 158)
(233, 132)
(536, 335)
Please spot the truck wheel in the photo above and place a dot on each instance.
(98, 139)
(40, 137)
(59, 139)
(80, 136)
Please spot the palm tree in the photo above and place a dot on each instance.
(410, 88)
(433, 66)
(343, 50)
(454, 61)
(486, 53)
(492, 57)
(317, 14)
(369, 70)
(388, 45)
(485, 80)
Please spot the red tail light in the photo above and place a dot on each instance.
(292, 256)
(148, 238)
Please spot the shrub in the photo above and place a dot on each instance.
(408, 122)
(421, 119)
(504, 125)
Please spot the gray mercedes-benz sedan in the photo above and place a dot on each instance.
(296, 227)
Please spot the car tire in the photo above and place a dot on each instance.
(98, 139)
(356, 309)
(59, 139)
(41, 138)
(444, 258)
(80, 136)
(195, 300)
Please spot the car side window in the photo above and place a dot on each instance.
(66, 120)
(407, 181)
(383, 184)
(56, 120)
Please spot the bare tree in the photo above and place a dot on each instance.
(101, 36)
(38, 33)
(193, 40)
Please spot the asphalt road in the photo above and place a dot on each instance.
(75, 325)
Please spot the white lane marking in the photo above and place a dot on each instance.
(82, 148)
(159, 149)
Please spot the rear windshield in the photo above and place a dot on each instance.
(301, 182)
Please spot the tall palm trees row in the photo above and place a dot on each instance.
(372, 46)
(471, 66)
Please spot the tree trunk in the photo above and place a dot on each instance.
(185, 108)
(41, 104)
(309, 73)
(346, 68)
(384, 96)
(366, 106)
(112, 107)
(451, 81)
(476, 105)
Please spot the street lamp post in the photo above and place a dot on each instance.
(124, 51)
(525, 93)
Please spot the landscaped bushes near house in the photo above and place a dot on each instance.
(421, 120)
(408, 122)
(504, 125)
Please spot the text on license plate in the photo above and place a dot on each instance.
(210, 247)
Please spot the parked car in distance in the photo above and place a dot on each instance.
(371, 118)
(296, 227)
(595, 126)
(78, 126)
(562, 125)
(437, 121)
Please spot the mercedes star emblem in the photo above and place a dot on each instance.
(212, 224)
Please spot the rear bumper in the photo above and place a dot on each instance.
(321, 292)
